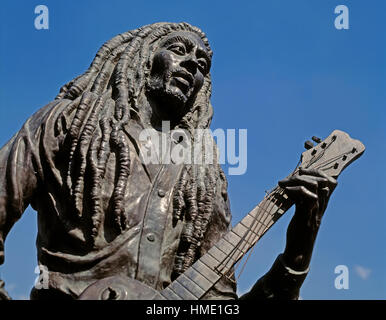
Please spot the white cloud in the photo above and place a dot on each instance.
(362, 272)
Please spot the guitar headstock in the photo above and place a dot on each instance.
(333, 154)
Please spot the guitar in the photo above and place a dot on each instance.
(331, 155)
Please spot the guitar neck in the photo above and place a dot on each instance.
(220, 259)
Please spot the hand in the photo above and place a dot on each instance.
(311, 191)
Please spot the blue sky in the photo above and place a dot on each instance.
(280, 69)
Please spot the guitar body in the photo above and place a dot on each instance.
(120, 288)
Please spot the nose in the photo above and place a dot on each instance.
(190, 63)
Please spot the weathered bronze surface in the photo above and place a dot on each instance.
(102, 211)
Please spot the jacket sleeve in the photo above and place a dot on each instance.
(280, 282)
(19, 168)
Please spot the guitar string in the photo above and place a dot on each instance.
(312, 161)
(243, 241)
(256, 231)
(261, 220)
(268, 226)
(319, 155)
(253, 246)
(265, 224)
(267, 213)
(260, 229)
(332, 159)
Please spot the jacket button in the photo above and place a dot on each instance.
(150, 237)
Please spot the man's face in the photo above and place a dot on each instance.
(179, 66)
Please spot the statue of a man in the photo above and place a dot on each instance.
(101, 210)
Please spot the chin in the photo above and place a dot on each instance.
(176, 95)
(174, 102)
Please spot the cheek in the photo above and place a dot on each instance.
(162, 62)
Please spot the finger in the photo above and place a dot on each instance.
(301, 194)
(324, 193)
(309, 182)
(317, 173)
(304, 179)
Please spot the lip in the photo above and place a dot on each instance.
(183, 77)
(183, 81)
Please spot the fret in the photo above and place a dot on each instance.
(252, 233)
(282, 204)
(267, 220)
(204, 270)
(242, 245)
(227, 261)
(233, 255)
(274, 205)
(228, 248)
(169, 294)
(277, 215)
(210, 261)
(198, 278)
(243, 231)
(250, 238)
(264, 208)
(235, 239)
(194, 288)
(249, 221)
(214, 264)
(269, 225)
(183, 292)
(217, 253)
(234, 244)
(232, 237)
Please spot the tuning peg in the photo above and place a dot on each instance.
(308, 145)
(316, 139)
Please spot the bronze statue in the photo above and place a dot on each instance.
(102, 212)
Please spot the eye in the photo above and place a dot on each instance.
(177, 48)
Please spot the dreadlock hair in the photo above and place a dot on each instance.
(104, 98)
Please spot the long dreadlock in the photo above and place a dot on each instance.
(104, 99)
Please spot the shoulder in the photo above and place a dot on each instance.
(46, 116)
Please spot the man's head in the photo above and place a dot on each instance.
(178, 69)
(169, 62)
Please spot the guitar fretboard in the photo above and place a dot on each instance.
(220, 259)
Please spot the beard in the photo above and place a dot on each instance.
(173, 98)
